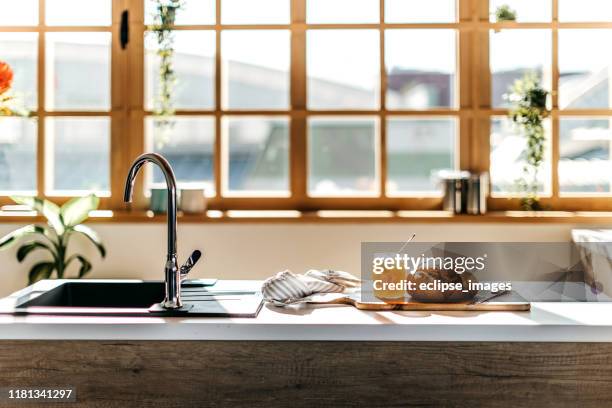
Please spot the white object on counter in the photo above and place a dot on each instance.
(595, 249)
(287, 288)
(192, 201)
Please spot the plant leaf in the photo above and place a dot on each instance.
(45, 207)
(12, 237)
(85, 265)
(42, 270)
(28, 247)
(92, 236)
(77, 210)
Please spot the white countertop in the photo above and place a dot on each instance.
(549, 322)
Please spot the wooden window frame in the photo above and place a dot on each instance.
(298, 114)
(473, 111)
(41, 113)
(484, 112)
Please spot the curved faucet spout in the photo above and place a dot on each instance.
(168, 173)
(172, 272)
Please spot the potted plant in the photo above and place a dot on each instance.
(63, 223)
(504, 13)
(529, 100)
(167, 11)
(163, 28)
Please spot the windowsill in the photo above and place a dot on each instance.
(329, 216)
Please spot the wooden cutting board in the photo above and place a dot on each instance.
(482, 302)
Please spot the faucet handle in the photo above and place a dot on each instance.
(191, 261)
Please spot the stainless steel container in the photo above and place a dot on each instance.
(454, 190)
(463, 192)
(477, 191)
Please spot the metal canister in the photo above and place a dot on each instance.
(449, 193)
(455, 190)
(477, 189)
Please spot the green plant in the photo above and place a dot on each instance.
(62, 224)
(528, 113)
(163, 29)
(505, 13)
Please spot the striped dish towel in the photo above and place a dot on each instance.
(286, 288)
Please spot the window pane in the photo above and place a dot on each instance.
(417, 148)
(421, 68)
(526, 11)
(194, 67)
(584, 69)
(423, 11)
(18, 155)
(20, 13)
(585, 164)
(343, 69)
(19, 50)
(78, 12)
(255, 12)
(78, 152)
(189, 147)
(515, 53)
(258, 150)
(342, 11)
(342, 157)
(508, 158)
(255, 69)
(78, 71)
(585, 10)
(192, 12)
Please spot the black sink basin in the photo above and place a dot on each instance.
(103, 295)
(120, 298)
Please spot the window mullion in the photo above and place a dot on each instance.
(481, 88)
(555, 102)
(467, 137)
(219, 173)
(119, 154)
(132, 139)
(298, 162)
(382, 145)
(41, 173)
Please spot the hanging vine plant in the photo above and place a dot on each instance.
(504, 13)
(528, 113)
(163, 30)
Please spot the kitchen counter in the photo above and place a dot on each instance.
(546, 322)
(320, 356)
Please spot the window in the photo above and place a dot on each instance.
(307, 104)
(62, 63)
(564, 53)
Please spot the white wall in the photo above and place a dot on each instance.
(234, 251)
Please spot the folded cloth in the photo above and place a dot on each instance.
(286, 288)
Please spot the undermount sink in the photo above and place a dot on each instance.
(105, 295)
(134, 298)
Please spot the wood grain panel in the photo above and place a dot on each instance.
(314, 374)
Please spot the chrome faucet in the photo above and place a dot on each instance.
(173, 274)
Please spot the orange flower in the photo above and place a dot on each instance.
(6, 77)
